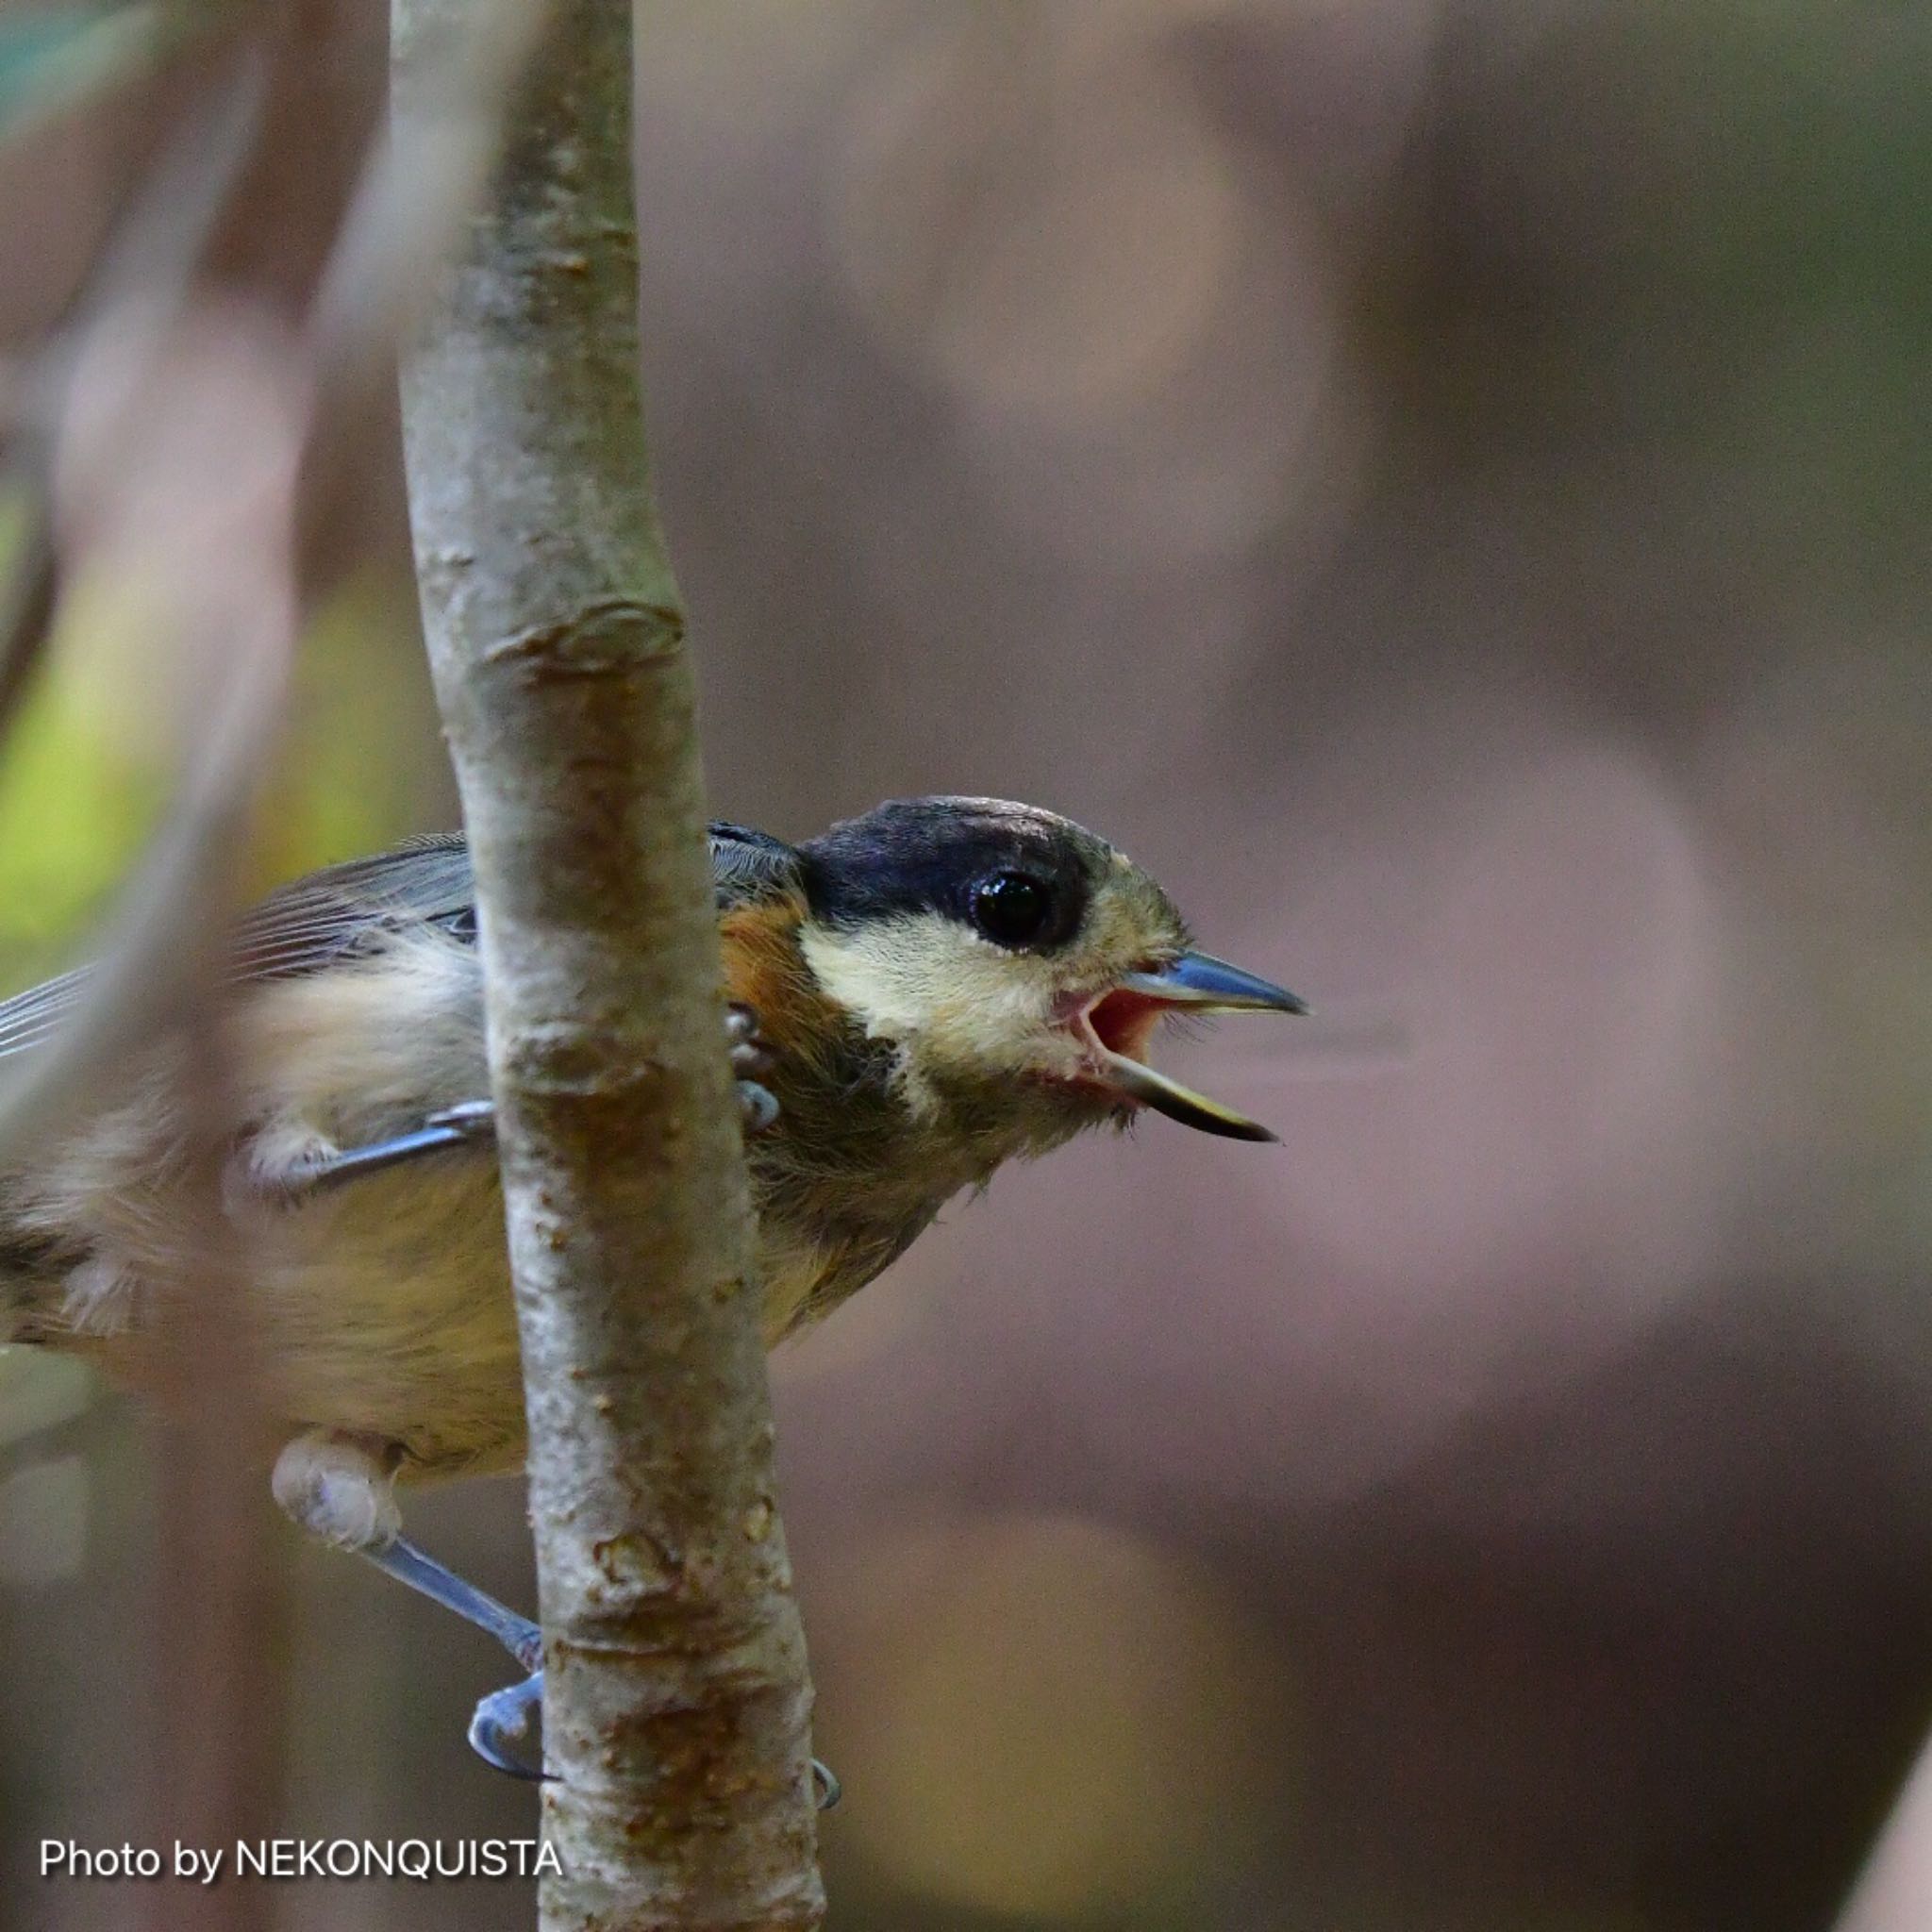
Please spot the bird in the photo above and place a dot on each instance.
(912, 998)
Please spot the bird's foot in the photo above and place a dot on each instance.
(750, 1061)
(341, 1487)
(503, 1728)
(505, 1719)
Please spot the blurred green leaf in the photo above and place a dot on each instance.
(351, 778)
(72, 815)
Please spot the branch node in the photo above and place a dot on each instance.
(609, 637)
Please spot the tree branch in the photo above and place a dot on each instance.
(678, 1700)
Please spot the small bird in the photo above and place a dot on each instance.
(915, 996)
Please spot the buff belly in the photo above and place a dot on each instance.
(384, 1305)
(385, 1310)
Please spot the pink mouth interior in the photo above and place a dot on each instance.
(1124, 1022)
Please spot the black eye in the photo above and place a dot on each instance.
(1010, 908)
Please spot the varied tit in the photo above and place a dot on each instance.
(938, 985)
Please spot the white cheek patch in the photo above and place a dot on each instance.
(945, 997)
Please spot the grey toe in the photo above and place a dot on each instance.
(504, 1719)
(757, 1106)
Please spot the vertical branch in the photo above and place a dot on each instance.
(676, 1697)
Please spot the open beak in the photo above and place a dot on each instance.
(1119, 1023)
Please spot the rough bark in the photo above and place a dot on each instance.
(678, 1702)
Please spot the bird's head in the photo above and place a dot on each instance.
(1017, 965)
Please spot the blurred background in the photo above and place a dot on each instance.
(1444, 483)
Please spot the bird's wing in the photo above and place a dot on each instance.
(328, 915)
(353, 908)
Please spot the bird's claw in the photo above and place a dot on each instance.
(757, 1106)
(501, 1721)
(472, 1119)
(752, 1064)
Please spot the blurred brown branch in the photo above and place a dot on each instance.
(677, 1701)
(134, 363)
(375, 276)
(149, 265)
(146, 304)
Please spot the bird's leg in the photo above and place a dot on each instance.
(341, 1489)
(291, 1167)
(304, 1170)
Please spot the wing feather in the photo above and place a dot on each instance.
(353, 908)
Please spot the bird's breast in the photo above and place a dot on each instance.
(808, 1273)
(851, 1172)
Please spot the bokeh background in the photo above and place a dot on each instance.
(1445, 484)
